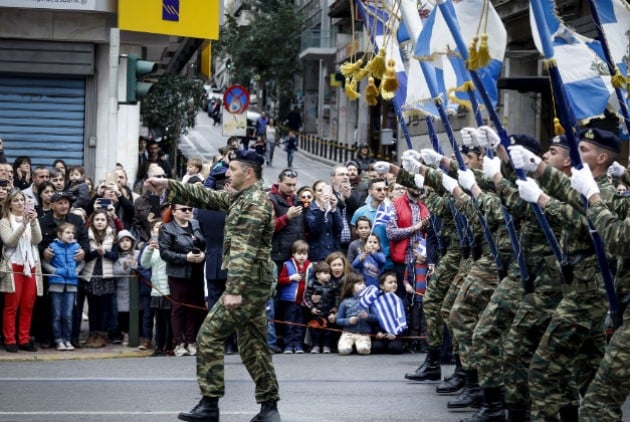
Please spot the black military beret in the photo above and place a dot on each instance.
(560, 141)
(250, 157)
(600, 137)
(526, 141)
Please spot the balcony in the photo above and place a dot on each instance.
(315, 46)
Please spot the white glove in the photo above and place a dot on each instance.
(411, 165)
(583, 182)
(487, 136)
(528, 190)
(381, 167)
(522, 158)
(418, 179)
(449, 183)
(616, 169)
(491, 166)
(469, 135)
(466, 178)
(412, 153)
(430, 157)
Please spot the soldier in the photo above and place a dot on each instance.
(246, 256)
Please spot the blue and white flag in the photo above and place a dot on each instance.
(384, 213)
(584, 72)
(388, 307)
(615, 17)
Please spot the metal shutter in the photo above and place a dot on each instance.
(43, 118)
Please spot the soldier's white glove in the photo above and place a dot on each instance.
(522, 158)
(411, 164)
(466, 178)
(412, 153)
(491, 166)
(381, 167)
(449, 183)
(418, 179)
(583, 182)
(469, 135)
(486, 136)
(616, 169)
(529, 190)
(430, 157)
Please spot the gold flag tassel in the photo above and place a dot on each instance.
(473, 58)
(371, 92)
(351, 89)
(618, 80)
(467, 105)
(377, 65)
(389, 84)
(362, 73)
(349, 69)
(557, 127)
(483, 55)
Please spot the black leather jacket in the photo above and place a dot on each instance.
(175, 243)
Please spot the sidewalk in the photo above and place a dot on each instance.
(50, 354)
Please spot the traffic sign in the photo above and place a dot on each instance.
(236, 99)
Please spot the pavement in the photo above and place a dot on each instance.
(110, 351)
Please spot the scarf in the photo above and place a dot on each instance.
(23, 252)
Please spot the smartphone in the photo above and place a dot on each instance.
(154, 203)
(196, 251)
(29, 206)
(104, 203)
(327, 190)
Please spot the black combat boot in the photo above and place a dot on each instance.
(207, 410)
(455, 382)
(569, 414)
(430, 369)
(268, 412)
(492, 408)
(470, 397)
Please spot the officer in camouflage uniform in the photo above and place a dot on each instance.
(574, 337)
(249, 228)
(610, 387)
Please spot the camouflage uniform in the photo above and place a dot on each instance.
(574, 337)
(246, 257)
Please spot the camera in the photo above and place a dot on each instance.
(196, 251)
(104, 203)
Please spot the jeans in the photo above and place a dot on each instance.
(77, 315)
(293, 334)
(271, 328)
(62, 305)
(290, 154)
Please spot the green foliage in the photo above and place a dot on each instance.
(171, 105)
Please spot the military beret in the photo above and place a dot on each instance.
(601, 138)
(560, 141)
(526, 141)
(249, 157)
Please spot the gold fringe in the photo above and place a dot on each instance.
(618, 80)
(390, 82)
(547, 63)
(351, 89)
(473, 59)
(462, 103)
(483, 55)
(557, 127)
(371, 92)
(377, 65)
(362, 73)
(349, 69)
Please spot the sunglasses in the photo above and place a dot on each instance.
(288, 173)
(380, 189)
(184, 209)
(306, 197)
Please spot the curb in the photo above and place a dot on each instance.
(72, 355)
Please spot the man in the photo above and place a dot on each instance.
(346, 201)
(294, 120)
(41, 174)
(261, 124)
(247, 257)
(146, 207)
(3, 158)
(359, 187)
(155, 156)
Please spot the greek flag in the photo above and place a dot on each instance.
(584, 72)
(384, 213)
(388, 307)
(615, 17)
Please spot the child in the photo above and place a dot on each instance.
(193, 171)
(63, 284)
(415, 281)
(78, 187)
(385, 342)
(363, 229)
(124, 269)
(320, 299)
(371, 261)
(354, 319)
(291, 284)
(160, 304)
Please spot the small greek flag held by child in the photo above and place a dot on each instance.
(389, 309)
(383, 213)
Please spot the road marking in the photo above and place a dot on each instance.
(105, 412)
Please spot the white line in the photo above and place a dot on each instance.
(96, 379)
(105, 412)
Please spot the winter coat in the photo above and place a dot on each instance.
(175, 243)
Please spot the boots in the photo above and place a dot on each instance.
(470, 397)
(492, 408)
(452, 384)
(207, 410)
(568, 414)
(518, 415)
(268, 412)
(430, 369)
(95, 340)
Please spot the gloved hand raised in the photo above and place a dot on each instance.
(583, 182)
(524, 159)
(491, 166)
(466, 178)
(486, 136)
(469, 135)
(381, 167)
(449, 183)
(411, 164)
(418, 179)
(616, 169)
(529, 190)
(430, 157)
(412, 153)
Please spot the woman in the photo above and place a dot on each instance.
(61, 167)
(305, 194)
(181, 246)
(44, 198)
(323, 223)
(22, 174)
(271, 136)
(21, 279)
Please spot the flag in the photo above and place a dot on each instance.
(384, 213)
(388, 307)
(615, 18)
(584, 73)
(473, 17)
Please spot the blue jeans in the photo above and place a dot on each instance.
(290, 154)
(293, 334)
(271, 328)
(62, 305)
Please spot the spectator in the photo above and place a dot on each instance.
(58, 180)
(261, 124)
(363, 230)
(6, 173)
(41, 174)
(347, 204)
(355, 321)
(384, 342)
(143, 154)
(415, 283)
(61, 166)
(22, 172)
(20, 233)
(359, 187)
(147, 208)
(156, 156)
(271, 135)
(323, 223)
(3, 158)
(193, 170)
(78, 187)
(321, 300)
(363, 157)
(260, 147)
(370, 261)
(122, 181)
(123, 207)
(44, 199)
(125, 273)
(291, 145)
(305, 195)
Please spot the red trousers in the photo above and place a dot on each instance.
(23, 299)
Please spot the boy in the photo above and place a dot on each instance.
(193, 171)
(320, 299)
(415, 282)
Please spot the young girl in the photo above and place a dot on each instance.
(320, 299)
(383, 341)
(354, 319)
(63, 284)
(99, 276)
(124, 268)
(363, 229)
(371, 261)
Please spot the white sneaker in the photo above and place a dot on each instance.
(61, 346)
(192, 349)
(180, 350)
(68, 345)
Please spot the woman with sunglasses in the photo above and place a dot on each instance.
(323, 223)
(181, 246)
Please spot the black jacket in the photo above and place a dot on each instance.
(175, 243)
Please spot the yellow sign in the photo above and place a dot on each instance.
(206, 60)
(184, 18)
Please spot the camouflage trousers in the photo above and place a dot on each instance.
(250, 323)
(451, 295)
(473, 296)
(494, 322)
(436, 290)
(609, 389)
(573, 339)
